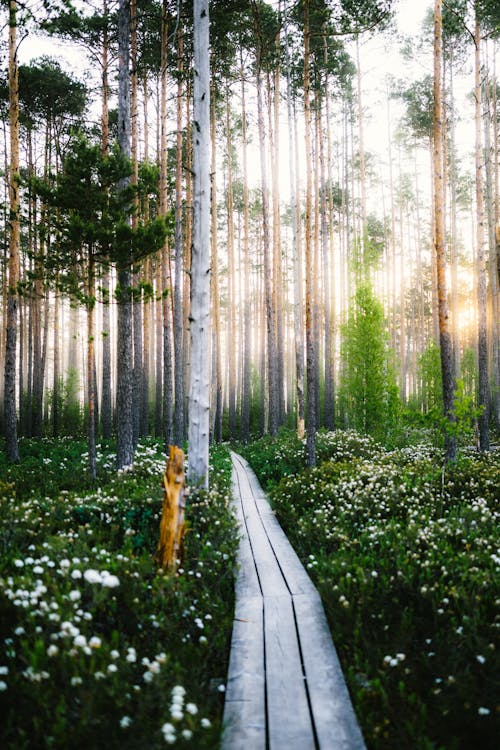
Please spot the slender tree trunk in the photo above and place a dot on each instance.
(137, 296)
(217, 403)
(326, 259)
(491, 163)
(297, 286)
(91, 372)
(439, 241)
(453, 228)
(199, 391)
(56, 368)
(310, 338)
(10, 417)
(482, 341)
(178, 278)
(106, 399)
(186, 362)
(231, 274)
(146, 367)
(106, 405)
(124, 386)
(247, 324)
(268, 292)
(277, 261)
(158, 326)
(165, 275)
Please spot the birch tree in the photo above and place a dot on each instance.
(199, 390)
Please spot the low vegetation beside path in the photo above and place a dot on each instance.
(99, 648)
(405, 556)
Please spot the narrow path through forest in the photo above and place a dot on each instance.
(285, 688)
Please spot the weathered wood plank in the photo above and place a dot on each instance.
(333, 715)
(281, 645)
(296, 577)
(244, 709)
(289, 719)
(247, 582)
(270, 577)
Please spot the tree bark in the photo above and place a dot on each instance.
(137, 295)
(247, 324)
(446, 348)
(310, 338)
(10, 417)
(272, 374)
(124, 387)
(199, 396)
(165, 277)
(91, 372)
(482, 337)
(296, 262)
(178, 276)
(217, 403)
(231, 286)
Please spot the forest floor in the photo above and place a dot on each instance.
(102, 649)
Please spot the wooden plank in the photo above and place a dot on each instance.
(334, 719)
(247, 582)
(289, 720)
(270, 577)
(244, 719)
(296, 577)
(242, 477)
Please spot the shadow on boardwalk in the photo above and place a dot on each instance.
(285, 688)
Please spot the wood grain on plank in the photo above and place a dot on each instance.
(244, 709)
(288, 711)
(333, 715)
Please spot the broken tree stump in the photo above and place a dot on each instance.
(172, 525)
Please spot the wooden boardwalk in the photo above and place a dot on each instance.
(285, 688)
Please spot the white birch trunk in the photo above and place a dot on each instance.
(199, 390)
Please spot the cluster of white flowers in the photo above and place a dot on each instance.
(104, 577)
(178, 711)
(393, 661)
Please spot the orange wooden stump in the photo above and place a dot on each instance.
(172, 525)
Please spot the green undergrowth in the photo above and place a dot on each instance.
(406, 558)
(100, 649)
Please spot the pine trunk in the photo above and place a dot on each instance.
(164, 407)
(309, 261)
(178, 271)
(231, 273)
(272, 374)
(482, 339)
(439, 243)
(217, 404)
(10, 417)
(124, 386)
(247, 324)
(296, 258)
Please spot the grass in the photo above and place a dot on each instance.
(405, 557)
(100, 649)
